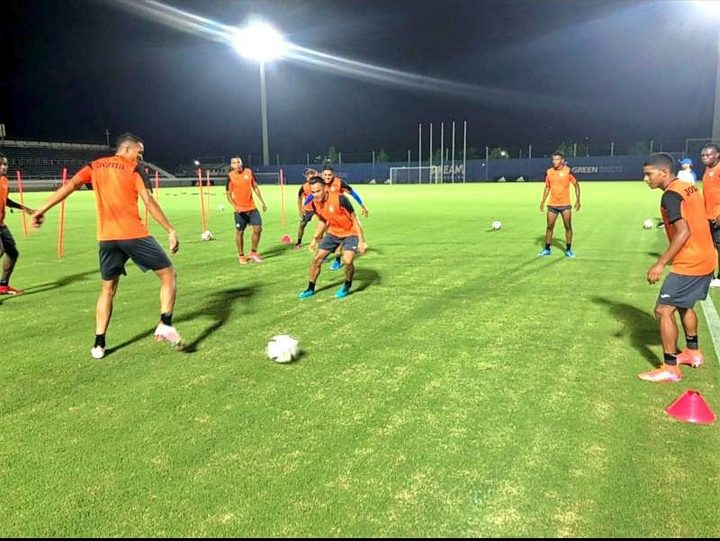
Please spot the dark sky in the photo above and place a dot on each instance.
(559, 70)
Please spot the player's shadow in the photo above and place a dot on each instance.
(61, 282)
(641, 326)
(219, 306)
(654, 254)
(277, 250)
(557, 243)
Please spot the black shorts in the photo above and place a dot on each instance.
(715, 232)
(331, 242)
(7, 243)
(306, 217)
(684, 291)
(559, 210)
(146, 253)
(252, 217)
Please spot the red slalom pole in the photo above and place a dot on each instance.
(208, 194)
(22, 202)
(61, 230)
(202, 201)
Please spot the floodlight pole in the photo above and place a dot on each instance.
(263, 108)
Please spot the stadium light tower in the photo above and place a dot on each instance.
(712, 9)
(261, 42)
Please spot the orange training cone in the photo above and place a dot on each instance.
(692, 408)
(286, 239)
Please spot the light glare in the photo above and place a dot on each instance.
(260, 41)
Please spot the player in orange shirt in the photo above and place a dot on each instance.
(710, 156)
(7, 242)
(693, 261)
(239, 190)
(338, 226)
(557, 184)
(305, 211)
(117, 183)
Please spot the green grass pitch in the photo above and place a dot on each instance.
(466, 387)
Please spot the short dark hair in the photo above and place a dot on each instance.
(661, 160)
(712, 146)
(558, 153)
(127, 137)
(316, 180)
(328, 168)
(2, 156)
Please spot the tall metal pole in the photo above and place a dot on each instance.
(263, 107)
(464, 150)
(452, 167)
(419, 153)
(430, 159)
(487, 161)
(442, 152)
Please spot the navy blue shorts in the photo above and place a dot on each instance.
(252, 217)
(306, 217)
(331, 242)
(684, 291)
(145, 252)
(559, 210)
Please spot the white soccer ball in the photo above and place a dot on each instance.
(221, 208)
(207, 235)
(496, 225)
(283, 348)
(648, 224)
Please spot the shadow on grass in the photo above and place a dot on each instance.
(219, 306)
(641, 326)
(49, 286)
(277, 250)
(557, 243)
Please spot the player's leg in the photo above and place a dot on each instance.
(338, 262)
(670, 295)
(691, 355)
(328, 244)
(149, 255)
(9, 249)
(256, 224)
(241, 222)
(112, 266)
(567, 221)
(304, 220)
(350, 246)
(716, 238)
(551, 218)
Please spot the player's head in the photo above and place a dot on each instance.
(558, 160)
(710, 155)
(130, 146)
(236, 163)
(686, 163)
(659, 170)
(3, 164)
(310, 173)
(318, 188)
(328, 173)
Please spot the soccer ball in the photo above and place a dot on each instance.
(207, 235)
(496, 225)
(221, 208)
(648, 224)
(282, 348)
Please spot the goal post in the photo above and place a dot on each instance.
(415, 175)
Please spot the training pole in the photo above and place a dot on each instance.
(22, 202)
(202, 201)
(208, 193)
(157, 186)
(282, 198)
(61, 230)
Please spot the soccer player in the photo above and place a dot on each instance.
(557, 184)
(338, 226)
(8, 249)
(336, 184)
(305, 211)
(710, 156)
(239, 190)
(117, 183)
(686, 173)
(693, 262)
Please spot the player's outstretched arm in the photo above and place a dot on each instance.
(319, 232)
(59, 195)
(362, 245)
(577, 195)
(159, 216)
(256, 189)
(544, 197)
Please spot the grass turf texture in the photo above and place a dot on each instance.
(466, 387)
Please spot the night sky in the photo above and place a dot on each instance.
(556, 70)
